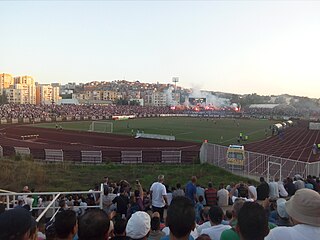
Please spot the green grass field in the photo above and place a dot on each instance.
(71, 177)
(222, 131)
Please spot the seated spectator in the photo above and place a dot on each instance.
(303, 209)
(41, 229)
(15, 224)
(155, 233)
(203, 237)
(120, 229)
(65, 225)
(198, 208)
(205, 220)
(179, 191)
(180, 218)
(94, 225)
(216, 217)
(283, 217)
(252, 222)
(138, 226)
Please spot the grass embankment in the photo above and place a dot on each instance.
(222, 131)
(70, 177)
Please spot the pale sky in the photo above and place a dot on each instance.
(264, 47)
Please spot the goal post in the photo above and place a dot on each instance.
(98, 126)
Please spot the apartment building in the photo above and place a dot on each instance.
(6, 80)
(46, 94)
(27, 88)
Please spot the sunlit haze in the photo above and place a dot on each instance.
(259, 47)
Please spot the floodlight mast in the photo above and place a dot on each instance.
(175, 80)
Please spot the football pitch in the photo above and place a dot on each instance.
(221, 131)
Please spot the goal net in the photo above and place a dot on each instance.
(106, 127)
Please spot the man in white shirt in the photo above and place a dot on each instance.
(304, 211)
(223, 196)
(159, 196)
(273, 190)
(216, 217)
(282, 191)
(252, 191)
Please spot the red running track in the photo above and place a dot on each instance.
(296, 143)
(72, 142)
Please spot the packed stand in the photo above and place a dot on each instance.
(287, 209)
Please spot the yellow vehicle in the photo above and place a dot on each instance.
(235, 157)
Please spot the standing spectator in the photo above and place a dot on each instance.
(180, 218)
(94, 225)
(223, 196)
(243, 190)
(262, 189)
(191, 190)
(252, 191)
(289, 186)
(273, 190)
(303, 209)
(282, 191)
(159, 196)
(252, 222)
(211, 195)
(216, 217)
(122, 202)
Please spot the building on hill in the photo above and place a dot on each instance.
(46, 94)
(6, 80)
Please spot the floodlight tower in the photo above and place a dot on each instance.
(175, 80)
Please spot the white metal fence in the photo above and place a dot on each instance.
(10, 199)
(257, 164)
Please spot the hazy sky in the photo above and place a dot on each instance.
(267, 47)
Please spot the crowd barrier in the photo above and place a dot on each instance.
(257, 164)
(103, 156)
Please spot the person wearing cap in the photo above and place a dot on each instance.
(304, 212)
(138, 226)
(283, 217)
(298, 182)
(15, 224)
(158, 195)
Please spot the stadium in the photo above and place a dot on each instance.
(165, 136)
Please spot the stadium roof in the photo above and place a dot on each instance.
(68, 101)
(269, 106)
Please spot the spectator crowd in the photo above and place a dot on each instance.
(274, 210)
